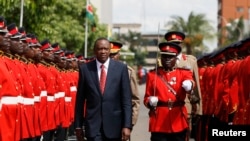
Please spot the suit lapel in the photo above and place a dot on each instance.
(94, 74)
(110, 73)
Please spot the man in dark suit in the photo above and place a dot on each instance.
(106, 115)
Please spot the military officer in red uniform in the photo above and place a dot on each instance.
(26, 97)
(194, 103)
(33, 54)
(166, 89)
(9, 90)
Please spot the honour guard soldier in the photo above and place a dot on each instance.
(9, 90)
(26, 97)
(166, 90)
(193, 102)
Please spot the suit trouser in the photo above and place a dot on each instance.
(101, 137)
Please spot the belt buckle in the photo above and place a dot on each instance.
(170, 104)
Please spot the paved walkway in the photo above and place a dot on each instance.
(140, 131)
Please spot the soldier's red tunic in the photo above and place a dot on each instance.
(49, 111)
(9, 121)
(27, 101)
(59, 95)
(167, 120)
(38, 87)
(244, 91)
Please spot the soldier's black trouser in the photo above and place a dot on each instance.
(60, 134)
(179, 136)
(48, 135)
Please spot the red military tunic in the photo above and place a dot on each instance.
(244, 91)
(38, 87)
(207, 80)
(27, 102)
(59, 95)
(230, 89)
(68, 106)
(167, 120)
(48, 119)
(215, 89)
(9, 118)
(220, 98)
(73, 89)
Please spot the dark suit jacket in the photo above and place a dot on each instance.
(113, 109)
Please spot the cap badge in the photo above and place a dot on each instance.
(173, 36)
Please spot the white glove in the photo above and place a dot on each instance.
(187, 85)
(153, 100)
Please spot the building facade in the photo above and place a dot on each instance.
(233, 10)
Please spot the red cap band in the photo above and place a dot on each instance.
(169, 49)
(45, 46)
(13, 31)
(175, 37)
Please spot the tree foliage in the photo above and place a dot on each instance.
(234, 31)
(61, 21)
(136, 45)
(197, 28)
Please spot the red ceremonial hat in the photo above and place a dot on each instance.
(80, 57)
(45, 45)
(22, 31)
(13, 31)
(3, 25)
(115, 47)
(175, 36)
(56, 48)
(34, 41)
(169, 48)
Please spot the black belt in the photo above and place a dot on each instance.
(170, 104)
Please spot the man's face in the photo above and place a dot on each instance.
(48, 55)
(102, 50)
(16, 46)
(4, 42)
(37, 53)
(168, 61)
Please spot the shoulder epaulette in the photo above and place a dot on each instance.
(52, 64)
(23, 59)
(16, 56)
(31, 61)
(44, 63)
(1, 53)
(8, 55)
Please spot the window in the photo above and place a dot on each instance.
(240, 9)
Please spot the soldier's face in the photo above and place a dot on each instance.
(4, 42)
(37, 53)
(16, 46)
(168, 61)
(48, 55)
